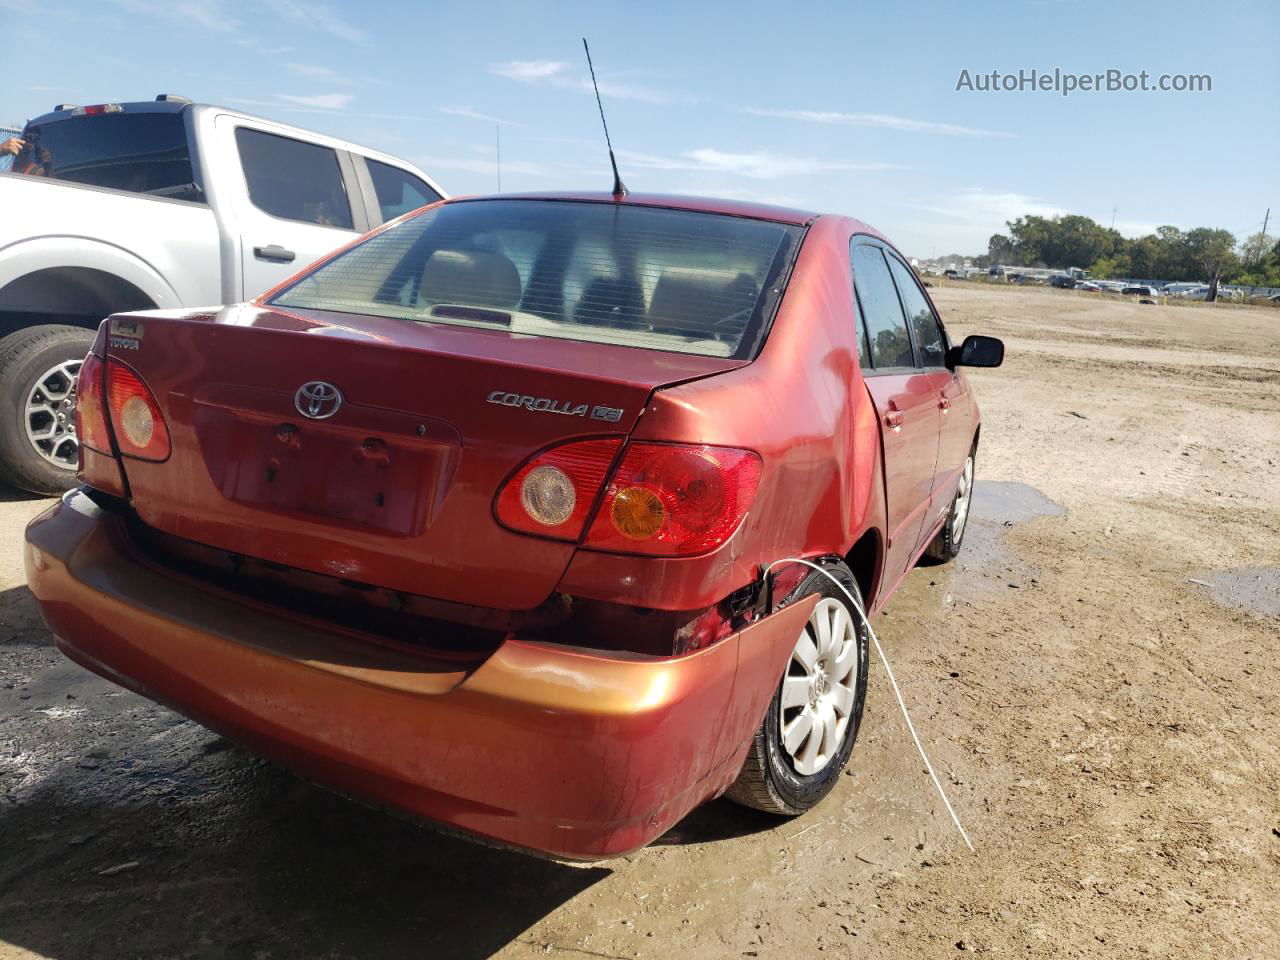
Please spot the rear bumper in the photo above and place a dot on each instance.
(543, 747)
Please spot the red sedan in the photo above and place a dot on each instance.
(480, 517)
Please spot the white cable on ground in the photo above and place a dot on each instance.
(892, 682)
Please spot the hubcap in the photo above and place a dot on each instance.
(817, 692)
(50, 415)
(963, 495)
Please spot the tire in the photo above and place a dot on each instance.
(775, 778)
(40, 363)
(946, 545)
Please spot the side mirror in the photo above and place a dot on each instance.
(977, 351)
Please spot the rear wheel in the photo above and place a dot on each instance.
(812, 722)
(946, 545)
(38, 368)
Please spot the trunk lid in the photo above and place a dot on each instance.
(395, 486)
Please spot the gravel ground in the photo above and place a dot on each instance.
(1095, 679)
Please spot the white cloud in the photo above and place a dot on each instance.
(479, 165)
(757, 165)
(320, 101)
(208, 14)
(320, 15)
(528, 70)
(882, 120)
(978, 207)
(313, 72)
(260, 48)
(468, 113)
(556, 73)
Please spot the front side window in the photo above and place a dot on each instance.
(398, 190)
(143, 153)
(609, 273)
(886, 331)
(931, 344)
(293, 180)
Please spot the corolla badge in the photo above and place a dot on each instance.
(317, 400)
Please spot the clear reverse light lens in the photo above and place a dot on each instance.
(548, 496)
(136, 421)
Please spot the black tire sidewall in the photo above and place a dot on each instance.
(24, 356)
(797, 791)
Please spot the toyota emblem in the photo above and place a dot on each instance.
(317, 400)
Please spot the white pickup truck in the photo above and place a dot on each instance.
(160, 204)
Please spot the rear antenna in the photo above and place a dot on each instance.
(619, 188)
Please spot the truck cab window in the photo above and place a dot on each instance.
(143, 153)
(398, 191)
(293, 180)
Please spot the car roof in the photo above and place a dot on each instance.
(733, 208)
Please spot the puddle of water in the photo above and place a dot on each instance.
(1252, 589)
(1010, 503)
(986, 565)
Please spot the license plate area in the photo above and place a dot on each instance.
(378, 469)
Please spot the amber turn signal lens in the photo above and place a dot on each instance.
(637, 513)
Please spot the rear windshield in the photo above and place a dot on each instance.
(139, 152)
(628, 275)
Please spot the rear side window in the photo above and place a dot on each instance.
(931, 346)
(398, 191)
(882, 319)
(610, 273)
(143, 153)
(293, 180)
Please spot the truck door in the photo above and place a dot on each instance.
(906, 401)
(298, 202)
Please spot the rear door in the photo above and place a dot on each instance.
(951, 390)
(391, 191)
(298, 200)
(906, 400)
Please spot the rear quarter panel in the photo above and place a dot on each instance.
(803, 406)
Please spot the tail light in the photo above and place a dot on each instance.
(123, 404)
(91, 413)
(665, 500)
(553, 493)
(139, 425)
(675, 500)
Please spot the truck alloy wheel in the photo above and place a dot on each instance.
(51, 414)
(38, 444)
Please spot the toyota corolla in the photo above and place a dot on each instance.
(481, 517)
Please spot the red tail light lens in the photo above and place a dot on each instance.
(675, 500)
(91, 414)
(140, 429)
(552, 494)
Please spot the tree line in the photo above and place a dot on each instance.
(1203, 254)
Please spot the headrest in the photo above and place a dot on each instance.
(696, 299)
(474, 277)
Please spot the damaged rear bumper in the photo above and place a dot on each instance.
(573, 753)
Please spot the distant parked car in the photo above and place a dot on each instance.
(953, 274)
(1062, 281)
(1144, 293)
(1088, 286)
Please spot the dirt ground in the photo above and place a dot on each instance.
(1096, 679)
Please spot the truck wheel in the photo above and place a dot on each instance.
(946, 545)
(810, 727)
(38, 367)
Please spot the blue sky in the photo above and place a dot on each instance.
(841, 107)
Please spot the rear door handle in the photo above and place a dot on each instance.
(944, 403)
(275, 253)
(893, 419)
